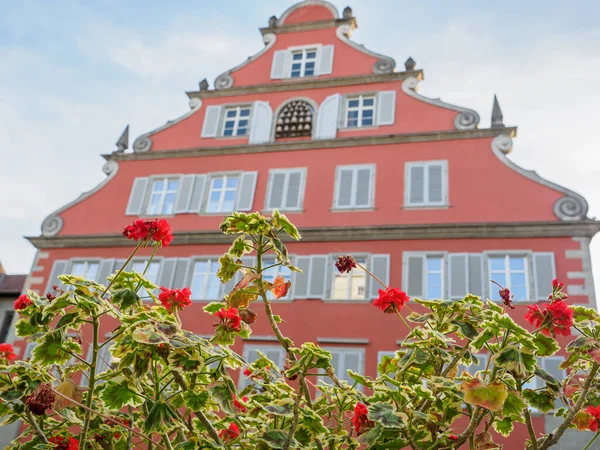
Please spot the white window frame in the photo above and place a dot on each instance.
(425, 165)
(354, 168)
(236, 120)
(360, 108)
(87, 262)
(304, 49)
(192, 272)
(163, 194)
(224, 189)
(382, 353)
(342, 373)
(264, 348)
(335, 273)
(142, 292)
(526, 255)
(425, 256)
(287, 172)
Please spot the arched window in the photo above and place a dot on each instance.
(294, 120)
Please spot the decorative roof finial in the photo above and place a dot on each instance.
(123, 142)
(347, 14)
(272, 22)
(204, 85)
(497, 118)
(410, 64)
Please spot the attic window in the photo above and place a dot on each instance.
(294, 120)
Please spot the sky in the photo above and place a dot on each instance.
(73, 74)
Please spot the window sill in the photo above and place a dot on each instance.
(370, 127)
(228, 138)
(210, 214)
(286, 211)
(342, 210)
(333, 300)
(412, 207)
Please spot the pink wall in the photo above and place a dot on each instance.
(311, 13)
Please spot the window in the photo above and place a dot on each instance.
(350, 286)
(85, 269)
(551, 365)
(273, 352)
(303, 62)
(294, 120)
(151, 273)
(222, 193)
(273, 272)
(286, 189)
(236, 121)
(509, 271)
(344, 359)
(360, 111)
(162, 196)
(426, 183)
(354, 187)
(424, 275)
(6, 322)
(205, 284)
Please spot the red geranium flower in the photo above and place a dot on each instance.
(230, 433)
(7, 352)
(453, 437)
(247, 372)
(137, 231)
(345, 264)
(229, 318)
(557, 285)
(507, 297)
(595, 412)
(360, 420)
(557, 318)
(157, 230)
(64, 443)
(22, 302)
(175, 299)
(238, 405)
(391, 300)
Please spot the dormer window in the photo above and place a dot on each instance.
(294, 120)
(236, 121)
(360, 111)
(303, 62)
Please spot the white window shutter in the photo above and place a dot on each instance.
(245, 193)
(210, 127)
(262, 119)
(414, 277)
(137, 196)
(436, 183)
(167, 272)
(180, 276)
(386, 107)
(279, 68)
(544, 272)
(58, 268)
(364, 178)
(184, 194)
(300, 281)
(380, 267)
(295, 186)
(326, 60)
(327, 117)
(106, 268)
(319, 270)
(344, 181)
(416, 185)
(277, 184)
(476, 283)
(457, 275)
(197, 194)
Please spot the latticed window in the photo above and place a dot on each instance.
(295, 120)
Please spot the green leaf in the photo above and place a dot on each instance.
(149, 335)
(227, 268)
(494, 306)
(213, 307)
(196, 400)
(546, 346)
(281, 221)
(370, 437)
(221, 392)
(277, 438)
(24, 328)
(51, 350)
(66, 320)
(241, 246)
(283, 407)
(504, 426)
(361, 379)
(490, 396)
(160, 416)
(126, 298)
(585, 316)
(513, 405)
(481, 339)
(385, 415)
(519, 364)
(184, 361)
(118, 393)
(542, 400)
(551, 382)
(467, 329)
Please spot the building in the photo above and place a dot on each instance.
(11, 287)
(336, 137)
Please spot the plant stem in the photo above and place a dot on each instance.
(122, 268)
(554, 437)
(38, 431)
(296, 418)
(591, 441)
(370, 274)
(130, 432)
(528, 421)
(92, 383)
(147, 265)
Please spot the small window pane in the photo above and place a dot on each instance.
(173, 185)
(367, 122)
(297, 56)
(434, 264)
(369, 102)
(245, 112)
(231, 113)
(353, 103)
(232, 183)
(517, 263)
(497, 264)
(310, 65)
(368, 113)
(311, 55)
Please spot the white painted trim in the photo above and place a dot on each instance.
(385, 64)
(291, 9)
(356, 341)
(424, 255)
(529, 273)
(189, 277)
(538, 295)
(331, 274)
(354, 168)
(238, 107)
(449, 274)
(343, 369)
(286, 172)
(426, 165)
(343, 123)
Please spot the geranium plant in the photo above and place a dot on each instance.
(171, 389)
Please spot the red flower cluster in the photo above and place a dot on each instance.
(157, 230)
(595, 412)
(230, 318)
(556, 318)
(360, 420)
(7, 352)
(22, 302)
(175, 299)
(236, 403)
(507, 297)
(41, 399)
(64, 443)
(230, 433)
(391, 300)
(247, 372)
(345, 264)
(557, 293)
